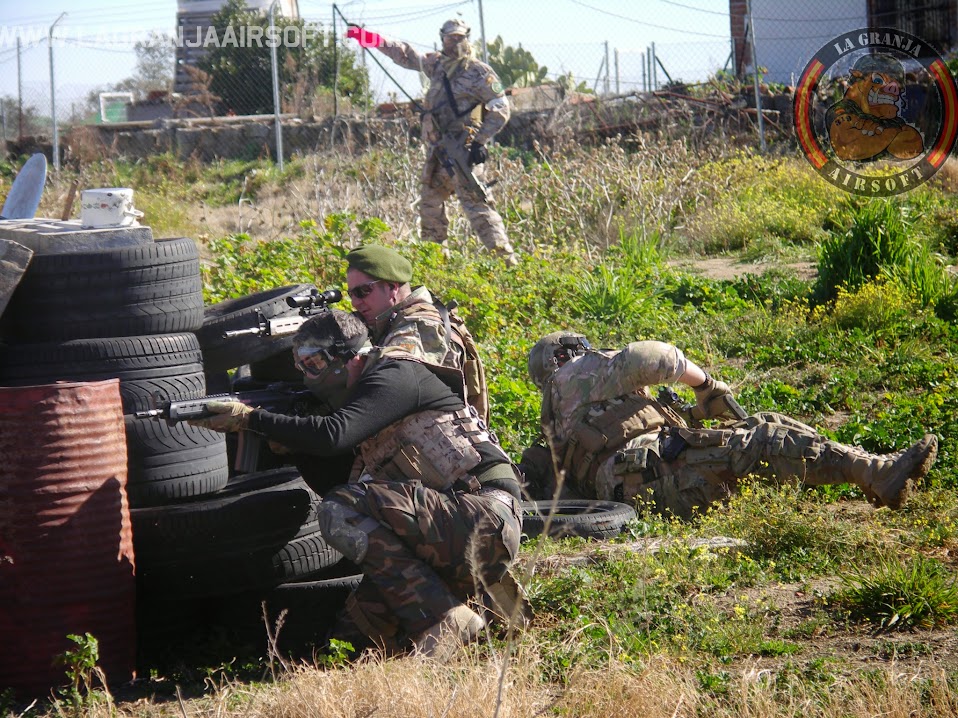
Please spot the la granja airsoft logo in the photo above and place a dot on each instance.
(876, 112)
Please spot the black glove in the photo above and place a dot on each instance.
(478, 153)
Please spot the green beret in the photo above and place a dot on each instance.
(380, 262)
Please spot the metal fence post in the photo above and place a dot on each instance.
(617, 71)
(655, 73)
(276, 105)
(335, 73)
(53, 100)
(19, 94)
(605, 84)
(482, 35)
(758, 94)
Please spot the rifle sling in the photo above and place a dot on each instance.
(452, 99)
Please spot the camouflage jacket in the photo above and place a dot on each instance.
(416, 326)
(481, 105)
(586, 386)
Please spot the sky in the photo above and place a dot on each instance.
(94, 38)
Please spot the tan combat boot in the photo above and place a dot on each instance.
(457, 627)
(889, 479)
(509, 602)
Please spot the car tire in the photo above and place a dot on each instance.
(576, 517)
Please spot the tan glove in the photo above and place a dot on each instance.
(227, 416)
(710, 398)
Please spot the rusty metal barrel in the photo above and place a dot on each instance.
(66, 545)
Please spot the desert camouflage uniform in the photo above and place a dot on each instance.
(432, 536)
(416, 326)
(616, 442)
(477, 92)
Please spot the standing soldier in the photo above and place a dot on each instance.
(465, 107)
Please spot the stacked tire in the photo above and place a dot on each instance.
(133, 313)
(126, 313)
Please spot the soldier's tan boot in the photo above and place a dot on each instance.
(889, 479)
(509, 602)
(457, 627)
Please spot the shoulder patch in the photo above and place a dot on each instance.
(496, 86)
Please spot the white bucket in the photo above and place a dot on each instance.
(108, 207)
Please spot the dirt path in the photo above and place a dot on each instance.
(731, 268)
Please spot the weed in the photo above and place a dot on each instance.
(899, 594)
(878, 239)
(606, 295)
(83, 674)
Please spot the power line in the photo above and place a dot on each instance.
(416, 15)
(647, 24)
(101, 13)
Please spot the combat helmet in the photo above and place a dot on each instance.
(454, 27)
(883, 63)
(548, 352)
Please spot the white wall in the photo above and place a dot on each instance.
(789, 32)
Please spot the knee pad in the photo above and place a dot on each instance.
(345, 529)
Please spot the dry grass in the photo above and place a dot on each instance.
(661, 687)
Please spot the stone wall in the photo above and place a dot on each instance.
(211, 140)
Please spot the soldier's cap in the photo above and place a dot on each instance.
(882, 63)
(380, 262)
(454, 27)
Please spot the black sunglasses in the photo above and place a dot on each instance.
(363, 290)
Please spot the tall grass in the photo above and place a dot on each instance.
(877, 238)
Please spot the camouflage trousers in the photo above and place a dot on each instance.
(427, 552)
(437, 187)
(708, 468)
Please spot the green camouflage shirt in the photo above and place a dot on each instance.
(585, 382)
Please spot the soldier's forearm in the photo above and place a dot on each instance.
(402, 54)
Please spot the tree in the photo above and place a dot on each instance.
(31, 122)
(155, 60)
(516, 67)
(242, 74)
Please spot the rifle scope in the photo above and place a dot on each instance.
(330, 296)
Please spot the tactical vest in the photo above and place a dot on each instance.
(461, 351)
(448, 114)
(607, 427)
(434, 447)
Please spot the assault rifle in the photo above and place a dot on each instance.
(453, 155)
(280, 326)
(279, 398)
(691, 412)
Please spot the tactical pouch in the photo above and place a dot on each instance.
(672, 445)
(412, 465)
(637, 468)
(610, 426)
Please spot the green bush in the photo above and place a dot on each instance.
(899, 593)
(877, 239)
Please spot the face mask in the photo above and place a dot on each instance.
(330, 387)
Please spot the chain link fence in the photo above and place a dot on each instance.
(150, 76)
